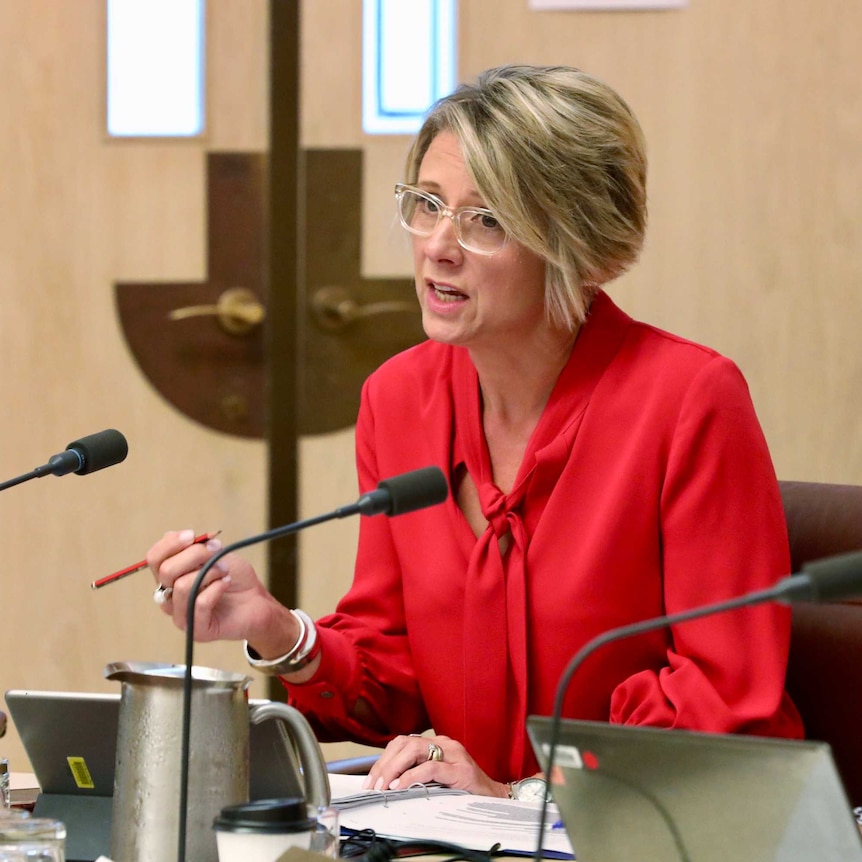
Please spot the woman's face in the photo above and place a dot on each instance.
(471, 299)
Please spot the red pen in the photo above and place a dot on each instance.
(130, 570)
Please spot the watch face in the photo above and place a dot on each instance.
(532, 789)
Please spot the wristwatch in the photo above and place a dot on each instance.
(528, 789)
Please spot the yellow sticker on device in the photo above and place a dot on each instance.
(80, 773)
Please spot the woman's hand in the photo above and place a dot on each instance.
(407, 760)
(232, 603)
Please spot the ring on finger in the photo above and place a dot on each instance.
(162, 594)
(434, 752)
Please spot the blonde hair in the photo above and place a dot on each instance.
(561, 160)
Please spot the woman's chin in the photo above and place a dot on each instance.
(443, 331)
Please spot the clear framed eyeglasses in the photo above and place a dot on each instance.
(476, 228)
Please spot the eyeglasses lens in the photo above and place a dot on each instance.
(475, 229)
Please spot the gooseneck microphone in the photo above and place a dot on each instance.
(829, 579)
(90, 453)
(400, 494)
(397, 495)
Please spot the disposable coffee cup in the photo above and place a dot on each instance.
(262, 830)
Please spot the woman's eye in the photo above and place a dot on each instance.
(483, 220)
(428, 206)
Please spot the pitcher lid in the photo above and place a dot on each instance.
(144, 671)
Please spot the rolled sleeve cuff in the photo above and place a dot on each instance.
(328, 698)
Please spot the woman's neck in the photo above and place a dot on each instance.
(515, 388)
(516, 382)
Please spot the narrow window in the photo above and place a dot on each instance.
(155, 68)
(408, 61)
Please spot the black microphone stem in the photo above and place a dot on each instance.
(185, 755)
(396, 495)
(773, 593)
(38, 473)
(393, 496)
(17, 481)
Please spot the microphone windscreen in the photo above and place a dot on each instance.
(100, 450)
(415, 490)
(835, 578)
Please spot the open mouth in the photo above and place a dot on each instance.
(444, 293)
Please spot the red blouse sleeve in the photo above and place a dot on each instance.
(723, 534)
(364, 649)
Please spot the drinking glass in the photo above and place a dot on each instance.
(31, 839)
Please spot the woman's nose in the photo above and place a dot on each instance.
(443, 241)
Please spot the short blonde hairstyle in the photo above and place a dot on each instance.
(561, 160)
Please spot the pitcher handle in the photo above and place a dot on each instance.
(315, 776)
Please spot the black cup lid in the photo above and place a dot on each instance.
(266, 815)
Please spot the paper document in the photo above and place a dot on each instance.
(23, 788)
(347, 792)
(435, 813)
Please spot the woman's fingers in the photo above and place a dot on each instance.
(409, 759)
(178, 554)
(422, 759)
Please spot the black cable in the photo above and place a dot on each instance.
(453, 852)
(356, 843)
(365, 843)
(367, 846)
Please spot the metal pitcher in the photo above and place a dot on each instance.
(145, 818)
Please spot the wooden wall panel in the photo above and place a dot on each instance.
(78, 212)
(752, 114)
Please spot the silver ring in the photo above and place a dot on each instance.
(434, 752)
(162, 594)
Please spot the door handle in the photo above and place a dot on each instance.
(334, 309)
(238, 311)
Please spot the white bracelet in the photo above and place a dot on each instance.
(264, 663)
(302, 653)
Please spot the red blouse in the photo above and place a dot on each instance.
(646, 488)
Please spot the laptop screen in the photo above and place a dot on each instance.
(629, 793)
(71, 741)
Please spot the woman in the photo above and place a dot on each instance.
(602, 472)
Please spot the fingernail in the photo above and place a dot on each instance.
(221, 566)
(366, 784)
(226, 579)
(186, 536)
(214, 545)
(395, 784)
(378, 785)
